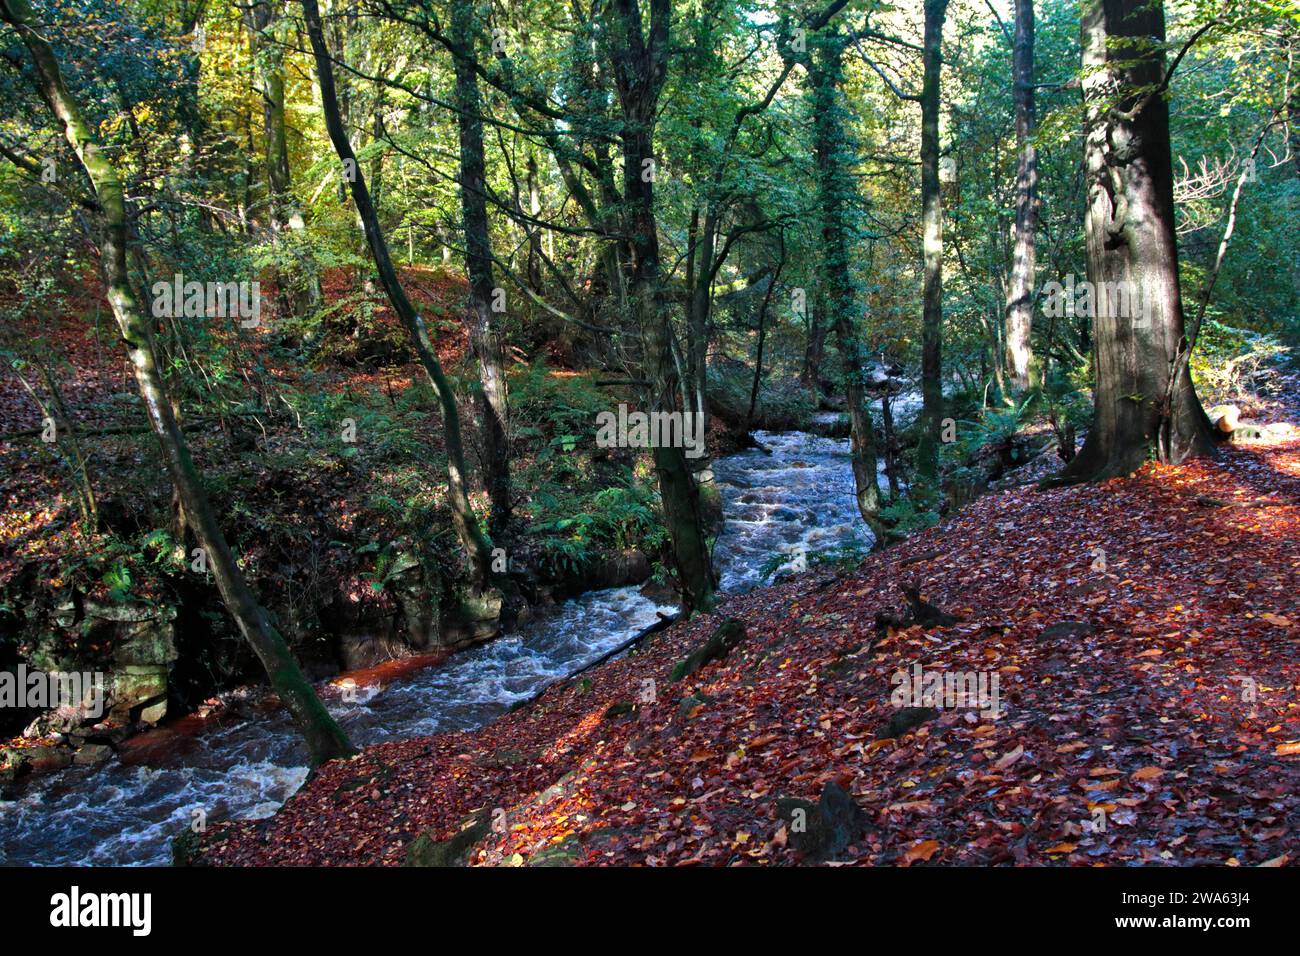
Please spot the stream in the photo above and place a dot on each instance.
(798, 497)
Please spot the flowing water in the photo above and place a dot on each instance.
(797, 498)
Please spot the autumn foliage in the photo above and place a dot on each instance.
(1143, 633)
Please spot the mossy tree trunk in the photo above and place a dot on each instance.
(639, 52)
(325, 738)
(484, 336)
(470, 534)
(838, 196)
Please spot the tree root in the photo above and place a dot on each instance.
(919, 611)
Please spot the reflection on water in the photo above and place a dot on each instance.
(799, 496)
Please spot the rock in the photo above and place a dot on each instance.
(908, 718)
(148, 642)
(620, 569)
(506, 757)
(451, 852)
(361, 651)
(729, 634)
(471, 618)
(421, 601)
(822, 830)
(1225, 417)
(128, 613)
(618, 709)
(54, 723)
(565, 853)
(689, 706)
(12, 764)
(91, 755)
(1066, 631)
(134, 685)
(153, 713)
(41, 759)
(659, 592)
(110, 733)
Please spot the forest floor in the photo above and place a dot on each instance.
(1143, 635)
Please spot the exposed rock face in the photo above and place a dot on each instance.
(613, 569)
(619, 569)
(130, 687)
(471, 618)
(144, 651)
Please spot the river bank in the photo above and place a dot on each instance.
(794, 497)
(1123, 691)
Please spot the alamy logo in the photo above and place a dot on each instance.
(948, 690)
(181, 299)
(74, 909)
(626, 429)
(1084, 299)
(40, 690)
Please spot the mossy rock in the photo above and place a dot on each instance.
(686, 707)
(451, 852)
(822, 830)
(908, 718)
(618, 709)
(567, 852)
(186, 849)
(730, 634)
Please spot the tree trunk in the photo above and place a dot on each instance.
(837, 193)
(699, 308)
(1129, 229)
(325, 738)
(762, 335)
(927, 451)
(472, 539)
(810, 375)
(1020, 291)
(269, 28)
(484, 336)
(534, 230)
(640, 64)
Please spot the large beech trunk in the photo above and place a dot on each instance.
(837, 193)
(325, 738)
(471, 536)
(1129, 228)
(484, 336)
(1020, 288)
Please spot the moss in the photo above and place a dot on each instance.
(425, 851)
